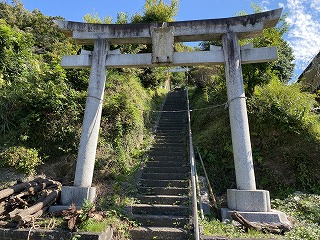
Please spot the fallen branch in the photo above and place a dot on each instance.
(263, 227)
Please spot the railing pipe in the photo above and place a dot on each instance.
(193, 175)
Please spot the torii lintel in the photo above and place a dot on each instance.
(247, 26)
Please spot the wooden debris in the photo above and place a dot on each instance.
(27, 201)
(263, 227)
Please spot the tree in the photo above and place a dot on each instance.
(261, 73)
(157, 11)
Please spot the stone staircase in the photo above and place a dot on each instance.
(163, 193)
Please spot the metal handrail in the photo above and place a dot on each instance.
(193, 175)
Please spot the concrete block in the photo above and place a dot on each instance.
(248, 200)
(76, 195)
(274, 216)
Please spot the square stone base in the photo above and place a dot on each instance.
(248, 200)
(76, 195)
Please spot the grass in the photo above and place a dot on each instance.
(303, 210)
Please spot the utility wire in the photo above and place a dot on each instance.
(225, 105)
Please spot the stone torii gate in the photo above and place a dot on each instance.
(162, 36)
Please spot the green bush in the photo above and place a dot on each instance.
(304, 212)
(23, 159)
(285, 137)
(285, 134)
(285, 106)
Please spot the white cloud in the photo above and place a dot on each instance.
(304, 34)
(316, 5)
(265, 5)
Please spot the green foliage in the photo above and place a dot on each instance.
(157, 11)
(304, 212)
(285, 137)
(38, 104)
(256, 74)
(124, 121)
(261, 73)
(15, 48)
(287, 107)
(302, 207)
(213, 227)
(94, 18)
(211, 133)
(23, 159)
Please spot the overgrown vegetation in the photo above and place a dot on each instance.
(42, 104)
(302, 209)
(284, 130)
(41, 109)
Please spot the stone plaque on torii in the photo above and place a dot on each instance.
(246, 198)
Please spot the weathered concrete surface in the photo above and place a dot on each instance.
(162, 44)
(92, 116)
(241, 143)
(273, 216)
(41, 234)
(212, 57)
(249, 200)
(248, 26)
(76, 195)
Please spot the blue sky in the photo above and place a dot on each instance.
(302, 15)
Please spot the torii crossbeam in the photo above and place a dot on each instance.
(162, 36)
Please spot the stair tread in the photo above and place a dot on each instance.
(160, 216)
(160, 229)
(159, 206)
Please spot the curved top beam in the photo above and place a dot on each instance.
(247, 26)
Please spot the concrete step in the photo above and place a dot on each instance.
(166, 169)
(161, 220)
(160, 209)
(171, 139)
(163, 183)
(153, 163)
(180, 132)
(170, 145)
(173, 120)
(168, 151)
(163, 199)
(177, 158)
(172, 124)
(167, 139)
(159, 152)
(165, 176)
(148, 233)
(177, 191)
(170, 128)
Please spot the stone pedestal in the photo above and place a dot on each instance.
(77, 195)
(253, 205)
(74, 195)
(249, 200)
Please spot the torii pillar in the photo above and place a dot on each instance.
(246, 198)
(82, 188)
